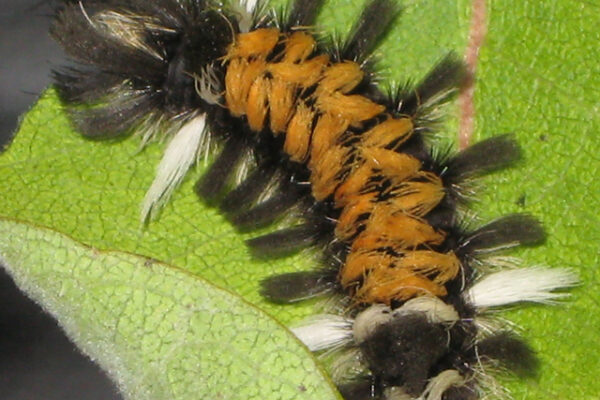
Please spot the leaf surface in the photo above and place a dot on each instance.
(538, 77)
(160, 332)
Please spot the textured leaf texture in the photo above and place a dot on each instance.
(538, 77)
(161, 333)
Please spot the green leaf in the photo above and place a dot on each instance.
(538, 77)
(161, 332)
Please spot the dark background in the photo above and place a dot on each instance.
(37, 362)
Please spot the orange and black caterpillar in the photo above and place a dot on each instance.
(321, 141)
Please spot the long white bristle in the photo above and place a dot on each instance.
(179, 156)
(250, 5)
(324, 332)
(246, 10)
(518, 285)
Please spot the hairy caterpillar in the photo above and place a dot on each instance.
(316, 134)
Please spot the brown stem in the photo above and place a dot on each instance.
(477, 34)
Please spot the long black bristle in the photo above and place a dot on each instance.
(481, 158)
(285, 241)
(297, 286)
(79, 86)
(374, 21)
(511, 351)
(515, 229)
(170, 12)
(303, 13)
(215, 179)
(82, 41)
(445, 76)
(266, 212)
(248, 191)
(112, 120)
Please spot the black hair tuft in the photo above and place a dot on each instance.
(374, 21)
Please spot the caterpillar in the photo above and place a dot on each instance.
(305, 130)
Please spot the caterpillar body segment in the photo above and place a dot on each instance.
(303, 130)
